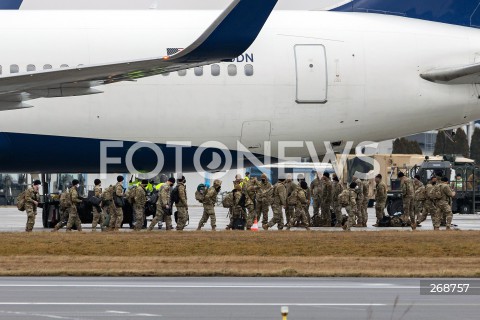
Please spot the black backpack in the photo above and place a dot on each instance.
(153, 198)
(175, 196)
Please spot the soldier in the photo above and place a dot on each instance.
(301, 195)
(316, 188)
(164, 210)
(237, 211)
(337, 207)
(419, 199)
(209, 206)
(116, 212)
(350, 205)
(64, 204)
(326, 200)
(238, 181)
(366, 199)
(429, 204)
(300, 178)
(73, 219)
(290, 186)
(279, 202)
(182, 205)
(139, 205)
(264, 195)
(31, 203)
(359, 202)
(97, 210)
(250, 191)
(407, 197)
(380, 199)
(444, 204)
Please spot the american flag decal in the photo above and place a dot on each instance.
(172, 51)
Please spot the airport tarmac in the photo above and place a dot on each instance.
(13, 220)
(226, 298)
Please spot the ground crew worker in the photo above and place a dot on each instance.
(279, 203)
(236, 210)
(407, 197)
(31, 203)
(63, 207)
(290, 186)
(139, 205)
(380, 199)
(97, 210)
(326, 200)
(366, 199)
(209, 202)
(182, 205)
(351, 206)
(316, 188)
(444, 204)
(73, 219)
(458, 184)
(264, 194)
(301, 194)
(337, 207)
(429, 203)
(116, 213)
(164, 211)
(250, 190)
(359, 202)
(419, 199)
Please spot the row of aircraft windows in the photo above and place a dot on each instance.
(198, 71)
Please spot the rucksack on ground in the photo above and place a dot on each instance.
(435, 192)
(344, 198)
(228, 200)
(21, 201)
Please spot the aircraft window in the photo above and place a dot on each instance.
(198, 71)
(166, 74)
(249, 70)
(215, 70)
(47, 67)
(31, 67)
(64, 66)
(232, 70)
(182, 73)
(14, 68)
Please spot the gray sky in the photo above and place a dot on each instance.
(164, 4)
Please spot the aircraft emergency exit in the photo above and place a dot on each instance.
(72, 81)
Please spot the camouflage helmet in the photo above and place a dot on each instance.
(238, 187)
(217, 183)
(264, 176)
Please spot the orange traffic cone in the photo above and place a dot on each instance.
(255, 225)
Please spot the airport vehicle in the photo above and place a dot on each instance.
(250, 77)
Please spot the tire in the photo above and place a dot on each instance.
(465, 209)
(45, 217)
(397, 206)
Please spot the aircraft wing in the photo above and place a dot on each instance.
(224, 40)
(468, 74)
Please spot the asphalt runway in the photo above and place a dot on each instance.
(13, 220)
(226, 298)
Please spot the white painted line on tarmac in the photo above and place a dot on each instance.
(168, 286)
(194, 304)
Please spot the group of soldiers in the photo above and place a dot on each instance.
(251, 200)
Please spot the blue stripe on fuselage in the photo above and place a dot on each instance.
(457, 12)
(10, 4)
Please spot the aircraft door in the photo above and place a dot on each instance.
(255, 133)
(311, 72)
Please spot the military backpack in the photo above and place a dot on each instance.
(200, 193)
(420, 194)
(228, 200)
(107, 194)
(131, 195)
(435, 192)
(344, 198)
(21, 201)
(175, 196)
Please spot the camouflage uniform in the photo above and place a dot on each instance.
(279, 202)
(264, 199)
(97, 211)
(73, 219)
(351, 209)
(301, 200)
(30, 208)
(428, 205)
(307, 205)
(407, 197)
(316, 189)
(163, 212)
(380, 200)
(337, 207)
(419, 201)
(249, 190)
(366, 199)
(236, 211)
(182, 207)
(290, 186)
(63, 211)
(326, 200)
(359, 202)
(139, 207)
(116, 214)
(444, 206)
(209, 208)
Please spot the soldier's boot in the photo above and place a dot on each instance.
(307, 228)
(364, 225)
(265, 227)
(79, 229)
(449, 228)
(414, 226)
(199, 228)
(436, 229)
(376, 224)
(214, 228)
(68, 230)
(228, 227)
